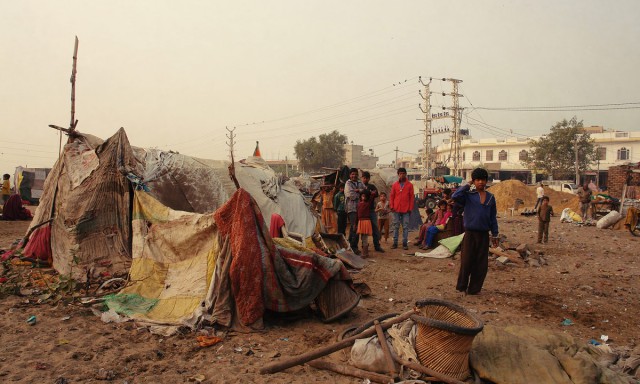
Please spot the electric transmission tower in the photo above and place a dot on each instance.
(426, 156)
(455, 136)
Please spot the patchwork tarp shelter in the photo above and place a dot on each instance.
(89, 195)
(29, 182)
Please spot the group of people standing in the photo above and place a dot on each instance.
(355, 205)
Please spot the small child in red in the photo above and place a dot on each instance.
(364, 222)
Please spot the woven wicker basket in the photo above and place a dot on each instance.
(336, 300)
(444, 337)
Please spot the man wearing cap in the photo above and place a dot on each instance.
(352, 190)
(401, 204)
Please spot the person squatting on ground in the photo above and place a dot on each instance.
(382, 209)
(373, 193)
(339, 206)
(364, 221)
(430, 219)
(584, 194)
(540, 195)
(433, 230)
(352, 190)
(544, 218)
(479, 218)
(6, 187)
(401, 202)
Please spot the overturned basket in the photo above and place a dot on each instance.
(336, 300)
(444, 336)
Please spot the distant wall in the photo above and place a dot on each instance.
(618, 175)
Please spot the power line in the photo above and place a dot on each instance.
(585, 107)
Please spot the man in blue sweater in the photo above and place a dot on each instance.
(479, 218)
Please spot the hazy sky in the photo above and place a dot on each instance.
(175, 73)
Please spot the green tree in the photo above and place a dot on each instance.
(555, 153)
(325, 151)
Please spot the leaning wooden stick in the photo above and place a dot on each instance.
(391, 366)
(350, 371)
(278, 366)
(422, 369)
(30, 231)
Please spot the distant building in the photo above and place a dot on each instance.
(502, 157)
(356, 157)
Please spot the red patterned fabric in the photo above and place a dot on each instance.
(237, 219)
(275, 227)
(39, 245)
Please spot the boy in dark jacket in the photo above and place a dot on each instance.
(544, 218)
(479, 219)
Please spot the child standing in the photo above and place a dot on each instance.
(364, 222)
(339, 206)
(479, 219)
(544, 218)
(382, 209)
(6, 187)
(328, 215)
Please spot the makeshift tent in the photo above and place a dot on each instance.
(29, 183)
(222, 267)
(89, 195)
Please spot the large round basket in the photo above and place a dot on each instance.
(444, 336)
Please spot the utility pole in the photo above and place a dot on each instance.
(426, 159)
(456, 138)
(396, 163)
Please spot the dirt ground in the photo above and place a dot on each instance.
(591, 278)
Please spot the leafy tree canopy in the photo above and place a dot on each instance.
(325, 151)
(555, 153)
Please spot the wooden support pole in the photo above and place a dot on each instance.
(391, 366)
(278, 366)
(74, 122)
(350, 371)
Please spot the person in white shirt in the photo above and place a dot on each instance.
(540, 195)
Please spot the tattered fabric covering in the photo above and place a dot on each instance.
(523, 355)
(89, 196)
(219, 267)
(265, 275)
(90, 207)
(200, 185)
(174, 255)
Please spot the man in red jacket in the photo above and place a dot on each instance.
(401, 205)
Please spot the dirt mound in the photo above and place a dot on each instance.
(508, 191)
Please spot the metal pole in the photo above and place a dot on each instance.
(575, 148)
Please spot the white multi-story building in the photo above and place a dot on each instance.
(503, 157)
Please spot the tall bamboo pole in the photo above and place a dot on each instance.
(72, 124)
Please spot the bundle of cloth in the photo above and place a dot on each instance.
(14, 210)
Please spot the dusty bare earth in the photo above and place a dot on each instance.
(592, 278)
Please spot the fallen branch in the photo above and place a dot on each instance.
(350, 371)
(278, 366)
